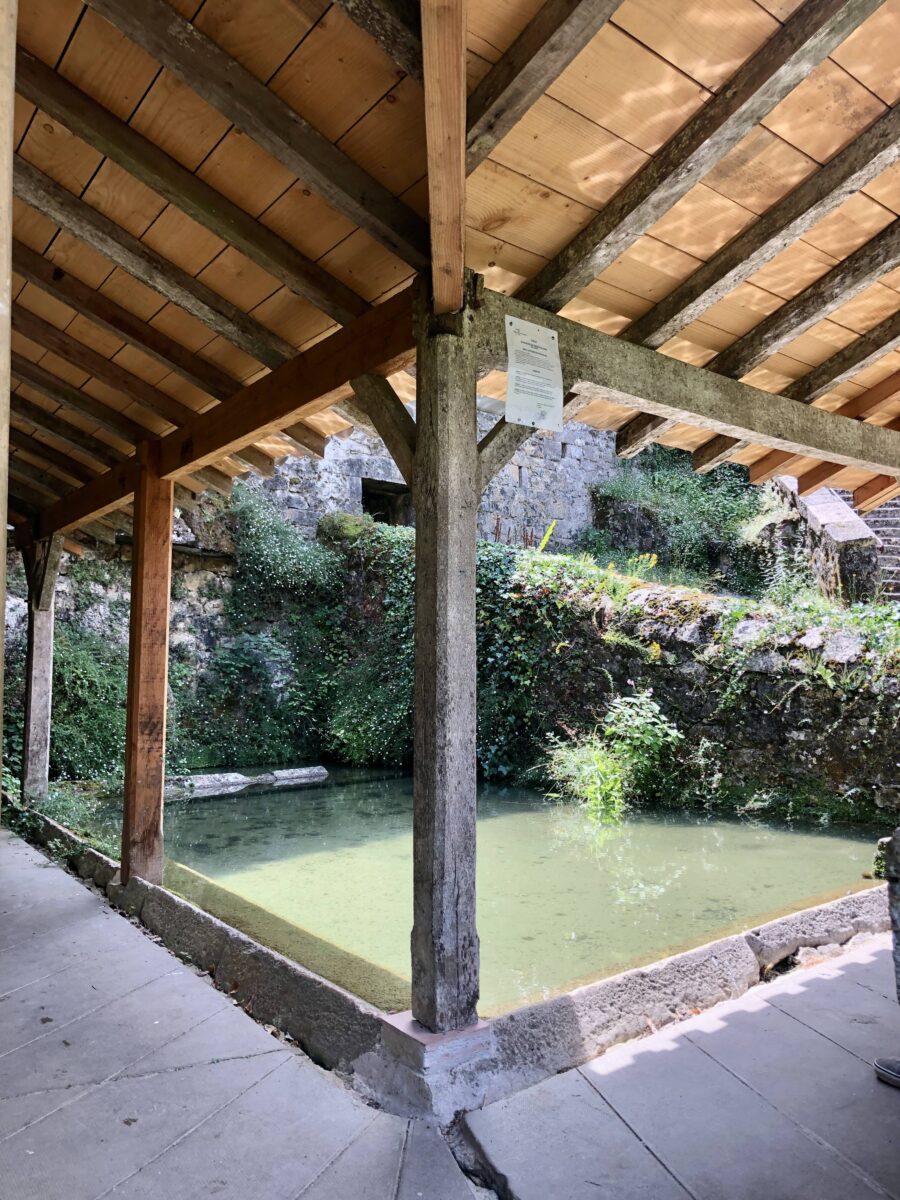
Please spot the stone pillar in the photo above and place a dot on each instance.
(42, 571)
(8, 14)
(148, 659)
(892, 872)
(446, 493)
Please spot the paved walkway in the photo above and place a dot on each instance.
(770, 1097)
(125, 1074)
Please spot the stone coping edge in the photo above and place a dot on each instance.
(385, 1058)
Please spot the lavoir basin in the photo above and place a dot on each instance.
(324, 875)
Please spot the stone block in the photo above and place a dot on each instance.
(331, 1025)
(184, 928)
(129, 897)
(91, 864)
(863, 912)
(570, 1029)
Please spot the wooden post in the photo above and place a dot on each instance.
(8, 14)
(42, 570)
(148, 656)
(446, 493)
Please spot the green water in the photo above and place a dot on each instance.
(325, 875)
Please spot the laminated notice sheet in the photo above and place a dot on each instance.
(534, 394)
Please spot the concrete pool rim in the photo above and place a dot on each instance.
(409, 1071)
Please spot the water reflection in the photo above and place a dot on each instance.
(560, 901)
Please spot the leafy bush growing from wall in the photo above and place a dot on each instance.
(704, 527)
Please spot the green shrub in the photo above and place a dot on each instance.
(629, 759)
(589, 770)
(704, 518)
(89, 683)
(646, 741)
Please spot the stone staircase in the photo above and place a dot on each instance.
(885, 524)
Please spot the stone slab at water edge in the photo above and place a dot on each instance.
(226, 783)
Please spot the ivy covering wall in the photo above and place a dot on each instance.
(296, 651)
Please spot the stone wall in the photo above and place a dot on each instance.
(842, 549)
(548, 479)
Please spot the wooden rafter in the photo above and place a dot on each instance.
(101, 129)
(72, 351)
(63, 431)
(855, 357)
(805, 39)
(258, 112)
(110, 316)
(133, 256)
(380, 342)
(875, 492)
(859, 408)
(63, 393)
(835, 287)
(844, 281)
(553, 38)
(444, 62)
(847, 173)
(395, 25)
(49, 454)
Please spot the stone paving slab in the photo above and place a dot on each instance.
(768, 1096)
(146, 1082)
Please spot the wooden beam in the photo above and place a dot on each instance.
(444, 51)
(111, 490)
(63, 431)
(858, 408)
(21, 491)
(98, 308)
(42, 333)
(126, 251)
(73, 468)
(231, 89)
(640, 432)
(152, 166)
(63, 393)
(834, 288)
(604, 367)
(391, 418)
(823, 473)
(874, 258)
(381, 342)
(148, 656)
(817, 477)
(48, 482)
(843, 364)
(875, 492)
(445, 955)
(503, 439)
(42, 570)
(255, 460)
(395, 25)
(550, 41)
(307, 437)
(806, 38)
(847, 173)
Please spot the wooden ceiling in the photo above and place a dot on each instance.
(204, 190)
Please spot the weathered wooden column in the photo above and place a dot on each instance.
(42, 571)
(148, 660)
(446, 494)
(8, 13)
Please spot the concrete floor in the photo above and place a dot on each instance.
(769, 1097)
(125, 1074)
